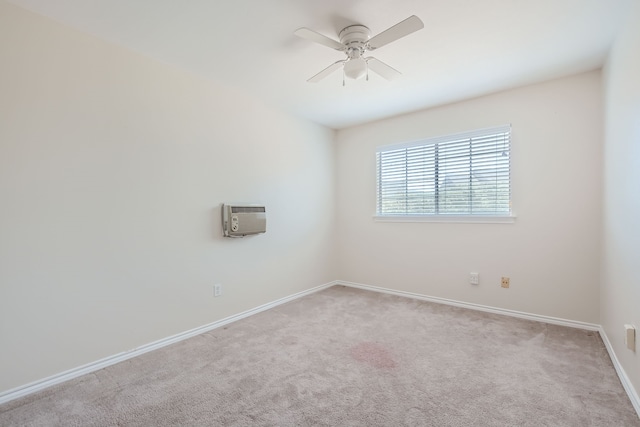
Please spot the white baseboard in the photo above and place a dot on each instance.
(479, 307)
(120, 357)
(624, 379)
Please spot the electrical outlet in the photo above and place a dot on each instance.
(217, 290)
(505, 282)
(474, 278)
(630, 337)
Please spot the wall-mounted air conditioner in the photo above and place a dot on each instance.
(242, 220)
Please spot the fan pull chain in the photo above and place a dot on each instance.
(343, 77)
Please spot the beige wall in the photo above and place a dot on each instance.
(112, 171)
(620, 289)
(552, 251)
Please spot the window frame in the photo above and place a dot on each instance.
(506, 217)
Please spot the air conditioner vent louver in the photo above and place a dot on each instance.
(247, 209)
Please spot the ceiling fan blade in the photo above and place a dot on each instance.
(308, 34)
(401, 29)
(324, 73)
(382, 69)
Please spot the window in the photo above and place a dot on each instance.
(457, 175)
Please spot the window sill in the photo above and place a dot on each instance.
(478, 219)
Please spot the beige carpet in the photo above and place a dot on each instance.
(347, 357)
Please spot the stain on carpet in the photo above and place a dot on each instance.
(374, 354)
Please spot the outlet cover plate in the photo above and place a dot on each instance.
(505, 282)
(474, 278)
(630, 337)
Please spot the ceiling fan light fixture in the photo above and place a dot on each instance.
(355, 68)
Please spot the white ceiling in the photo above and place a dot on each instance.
(467, 48)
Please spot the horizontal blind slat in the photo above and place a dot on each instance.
(458, 174)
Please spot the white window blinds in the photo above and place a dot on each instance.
(463, 174)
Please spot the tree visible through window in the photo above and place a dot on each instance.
(464, 174)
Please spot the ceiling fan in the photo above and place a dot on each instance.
(355, 40)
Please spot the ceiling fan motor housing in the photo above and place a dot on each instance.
(355, 36)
